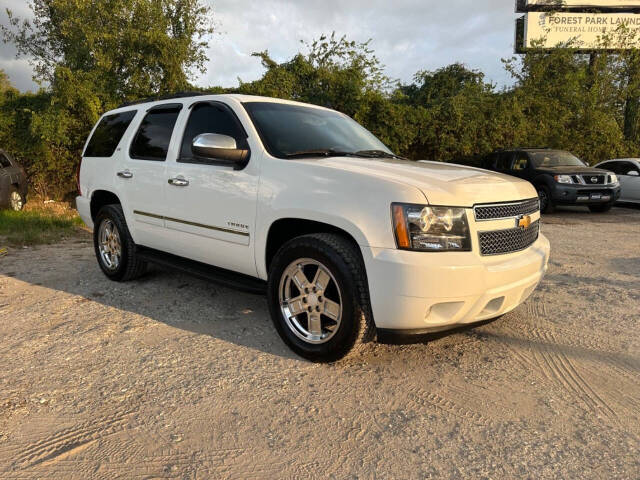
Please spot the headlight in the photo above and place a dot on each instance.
(430, 229)
(613, 178)
(563, 179)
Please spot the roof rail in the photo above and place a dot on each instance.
(164, 97)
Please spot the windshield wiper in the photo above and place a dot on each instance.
(328, 152)
(378, 154)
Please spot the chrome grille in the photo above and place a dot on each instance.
(506, 210)
(594, 179)
(499, 242)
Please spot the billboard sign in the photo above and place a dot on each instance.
(580, 31)
(603, 5)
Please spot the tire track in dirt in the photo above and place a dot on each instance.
(448, 407)
(67, 441)
(564, 370)
(546, 355)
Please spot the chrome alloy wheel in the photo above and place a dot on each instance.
(109, 245)
(16, 201)
(312, 309)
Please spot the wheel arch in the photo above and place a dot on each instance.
(284, 229)
(100, 198)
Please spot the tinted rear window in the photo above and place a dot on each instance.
(154, 135)
(108, 133)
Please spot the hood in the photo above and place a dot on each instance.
(571, 170)
(442, 183)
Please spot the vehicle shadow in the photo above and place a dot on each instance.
(201, 307)
(564, 347)
(162, 295)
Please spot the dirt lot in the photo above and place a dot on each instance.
(173, 377)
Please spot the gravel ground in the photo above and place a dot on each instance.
(173, 377)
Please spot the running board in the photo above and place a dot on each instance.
(217, 275)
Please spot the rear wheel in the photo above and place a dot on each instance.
(318, 297)
(114, 247)
(16, 200)
(600, 208)
(546, 204)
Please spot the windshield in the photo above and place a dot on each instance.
(555, 159)
(293, 130)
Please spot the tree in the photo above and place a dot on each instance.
(127, 48)
(334, 72)
(95, 54)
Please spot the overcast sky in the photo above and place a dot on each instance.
(407, 35)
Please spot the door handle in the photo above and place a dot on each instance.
(179, 182)
(125, 174)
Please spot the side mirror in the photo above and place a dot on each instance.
(633, 173)
(218, 147)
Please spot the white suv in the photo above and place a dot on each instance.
(348, 240)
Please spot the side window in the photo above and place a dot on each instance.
(108, 133)
(4, 161)
(619, 168)
(210, 118)
(520, 162)
(627, 167)
(490, 161)
(154, 135)
(504, 161)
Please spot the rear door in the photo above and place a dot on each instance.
(142, 177)
(211, 208)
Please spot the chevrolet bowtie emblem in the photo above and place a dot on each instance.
(524, 222)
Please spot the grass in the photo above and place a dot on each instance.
(38, 223)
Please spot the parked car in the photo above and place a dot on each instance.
(560, 178)
(13, 183)
(628, 172)
(300, 202)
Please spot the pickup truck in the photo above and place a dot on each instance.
(350, 242)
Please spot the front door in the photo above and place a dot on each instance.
(520, 165)
(629, 183)
(211, 206)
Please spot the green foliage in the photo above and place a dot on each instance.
(94, 54)
(36, 227)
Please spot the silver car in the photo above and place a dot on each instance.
(628, 172)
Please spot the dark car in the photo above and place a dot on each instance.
(560, 177)
(13, 183)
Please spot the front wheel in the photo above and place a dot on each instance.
(546, 204)
(319, 297)
(600, 208)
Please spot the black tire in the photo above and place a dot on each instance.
(546, 203)
(130, 266)
(600, 208)
(13, 205)
(344, 262)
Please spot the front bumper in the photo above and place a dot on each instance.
(431, 292)
(563, 194)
